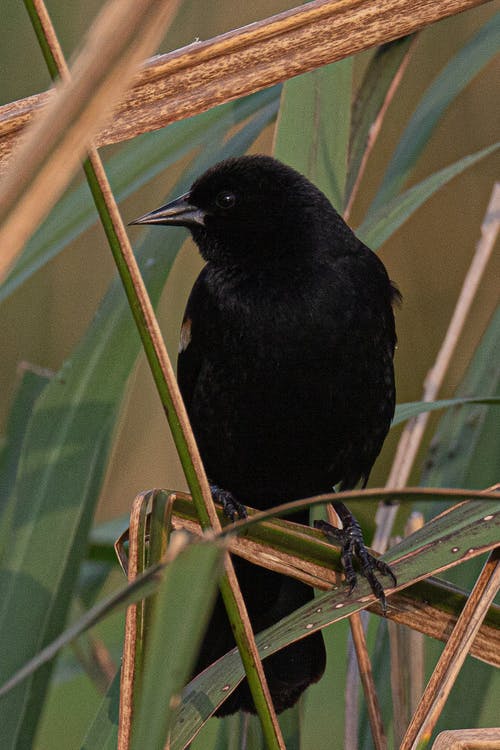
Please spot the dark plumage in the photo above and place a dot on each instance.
(286, 369)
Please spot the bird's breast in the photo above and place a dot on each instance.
(271, 316)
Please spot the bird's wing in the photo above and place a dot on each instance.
(192, 340)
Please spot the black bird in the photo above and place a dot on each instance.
(286, 370)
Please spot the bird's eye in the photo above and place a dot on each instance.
(225, 199)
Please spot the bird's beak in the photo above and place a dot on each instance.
(179, 212)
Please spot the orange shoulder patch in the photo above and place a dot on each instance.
(185, 337)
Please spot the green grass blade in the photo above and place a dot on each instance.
(452, 80)
(378, 226)
(474, 434)
(31, 383)
(370, 98)
(414, 408)
(181, 611)
(312, 132)
(135, 164)
(144, 585)
(103, 732)
(64, 459)
(420, 555)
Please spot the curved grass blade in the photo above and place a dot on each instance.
(65, 455)
(312, 132)
(413, 408)
(134, 165)
(466, 445)
(381, 77)
(379, 225)
(442, 543)
(452, 80)
(318, 551)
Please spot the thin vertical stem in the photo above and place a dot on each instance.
(168, 391)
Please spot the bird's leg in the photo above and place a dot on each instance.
(232, 508)
(350, 537)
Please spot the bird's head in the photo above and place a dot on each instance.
(249, 209)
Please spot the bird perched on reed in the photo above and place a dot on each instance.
(286, 370)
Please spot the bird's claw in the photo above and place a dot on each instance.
(353, 548)
(231, 507)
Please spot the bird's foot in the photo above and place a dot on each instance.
(350, 538)
(232, 508)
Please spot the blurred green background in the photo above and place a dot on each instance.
(428, 257)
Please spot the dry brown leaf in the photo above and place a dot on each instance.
(197, 77)
(123, 34)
